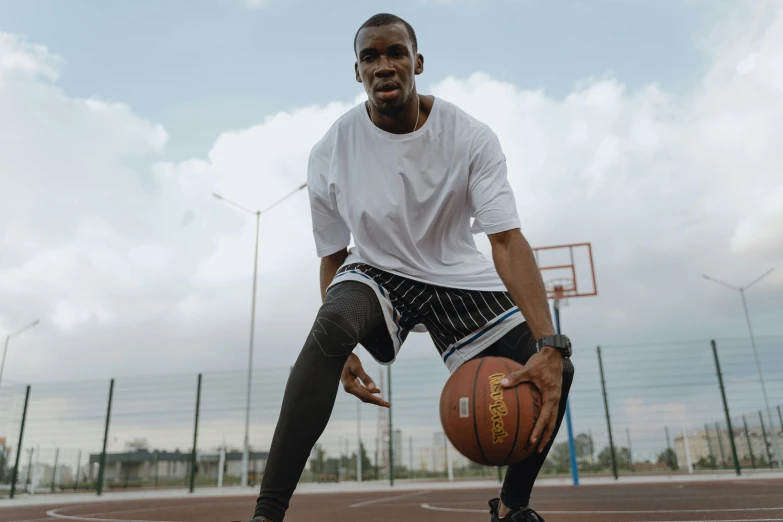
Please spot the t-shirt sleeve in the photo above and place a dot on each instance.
(330, 232)
(492, 201)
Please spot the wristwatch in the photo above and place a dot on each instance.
(559, 342)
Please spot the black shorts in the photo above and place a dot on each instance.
(461, 323)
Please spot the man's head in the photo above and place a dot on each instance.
(387, 61)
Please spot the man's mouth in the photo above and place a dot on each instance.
(387, 91)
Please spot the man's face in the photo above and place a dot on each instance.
(387, 66)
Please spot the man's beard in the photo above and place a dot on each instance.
(393, 110)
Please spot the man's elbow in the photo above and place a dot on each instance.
(504, 240)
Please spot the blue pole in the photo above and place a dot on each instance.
(571, 444)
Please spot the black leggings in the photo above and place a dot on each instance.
(350, 313)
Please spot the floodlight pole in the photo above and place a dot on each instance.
(741, 290)
(7, 339)
(257, 214)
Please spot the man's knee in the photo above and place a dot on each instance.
(348, 312)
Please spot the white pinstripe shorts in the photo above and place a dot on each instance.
(461, 323)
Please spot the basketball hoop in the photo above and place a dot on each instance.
(559, 289)
(569, 267)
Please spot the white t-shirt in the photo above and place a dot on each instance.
(407, 199)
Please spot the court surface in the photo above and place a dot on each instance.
(740, 500)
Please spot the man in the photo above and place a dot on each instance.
(404, 174)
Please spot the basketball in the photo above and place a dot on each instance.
(487, 423)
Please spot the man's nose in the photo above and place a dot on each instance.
(384, 68)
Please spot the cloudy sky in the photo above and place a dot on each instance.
(647, 128)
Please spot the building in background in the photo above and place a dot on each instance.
(710, 446)
(161, 467)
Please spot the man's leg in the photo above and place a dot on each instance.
(519, 345)
(350, 312)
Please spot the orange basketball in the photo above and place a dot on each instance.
(487, 423)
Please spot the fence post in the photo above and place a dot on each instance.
(195, 436)
(157, 465)
(54, 470)
(391, 432)
(606, 409)
(102, 464)
(78, 467)
(766, 442)
(726, 408)
(750, 446)
(359, 453)
(672, 462)
(19, 446)
(410, 449)
(720, 446)
(127, 471)
(710, 452)
(29, 481)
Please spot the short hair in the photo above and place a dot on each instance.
(383, 19)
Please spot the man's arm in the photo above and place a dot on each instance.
(516, 266)
(329, 266)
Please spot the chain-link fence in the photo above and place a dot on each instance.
(662, 403)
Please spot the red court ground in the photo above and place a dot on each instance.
(740, 500)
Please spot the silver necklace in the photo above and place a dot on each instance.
(418, 113)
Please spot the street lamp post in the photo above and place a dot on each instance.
(8, 338)
(257, 214)
(741, 290)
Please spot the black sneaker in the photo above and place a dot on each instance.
(520, 515)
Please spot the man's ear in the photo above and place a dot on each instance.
(356, 70)
(419, 64)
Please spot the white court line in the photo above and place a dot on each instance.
(614, 512)
(53, 514)
(725, 520)
(153, 508)
(454, 510)
(379, 500)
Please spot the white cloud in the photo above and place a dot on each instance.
(19, 58)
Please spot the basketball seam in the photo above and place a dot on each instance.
(475, 424)
(519, 414)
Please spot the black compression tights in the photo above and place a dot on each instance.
(350, 312)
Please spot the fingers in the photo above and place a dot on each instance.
(355, 370)
(541, 425)
(549, 430)
(366, 380)
(366, 396)
(517, 377)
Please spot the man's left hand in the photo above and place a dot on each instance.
(545, 371)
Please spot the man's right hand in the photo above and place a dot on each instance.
(358, 383)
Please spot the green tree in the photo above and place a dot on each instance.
(668, 457)
(584, 445)
(622, 455)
